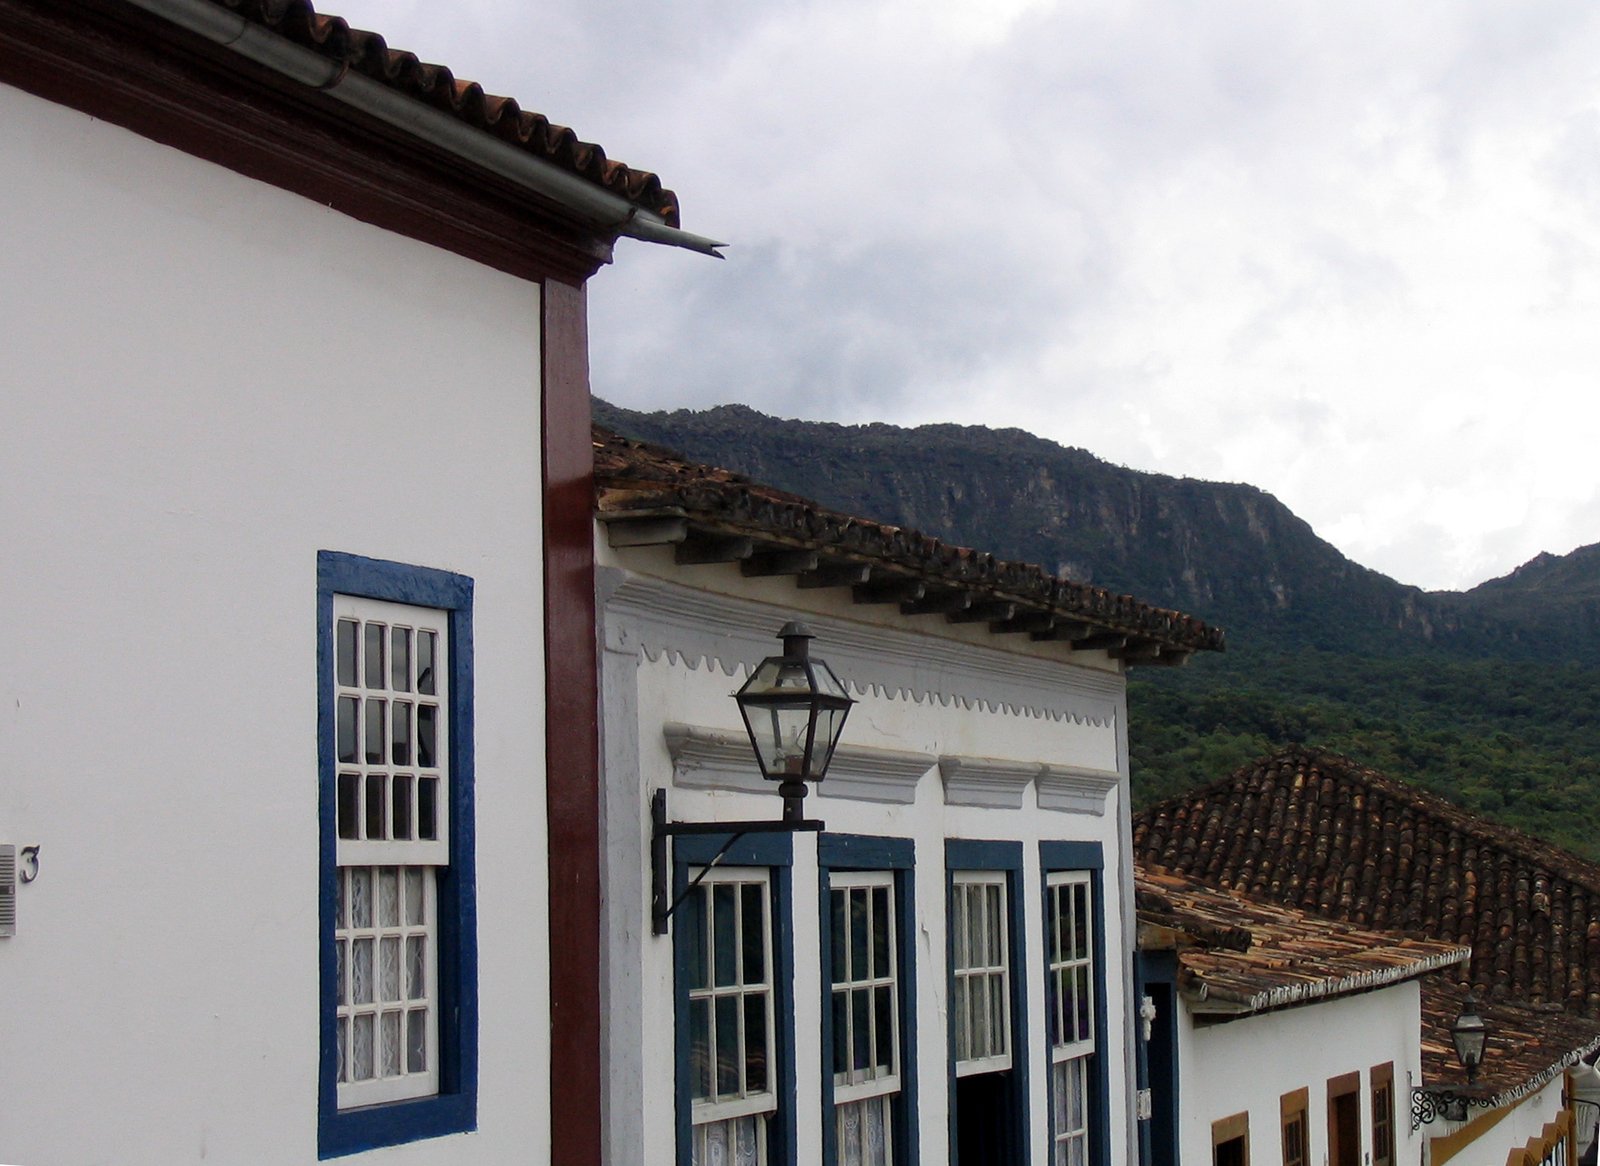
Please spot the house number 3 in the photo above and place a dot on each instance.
(30, 864)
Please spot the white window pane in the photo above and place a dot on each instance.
(361, 985)
(876, 1126)
(414, 903)
(388, 897)
(389, 1045)
(748, 1132)
(388, 961)
(850, 1137)
(361, 1047)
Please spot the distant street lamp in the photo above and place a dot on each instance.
(1469, 1034)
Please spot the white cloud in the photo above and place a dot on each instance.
(1349, 253)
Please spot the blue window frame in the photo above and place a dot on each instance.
(452, 972)
(988, 1105)
(1075, 958)
(721, 988)
(895, 857)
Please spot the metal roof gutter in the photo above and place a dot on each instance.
(594, 205)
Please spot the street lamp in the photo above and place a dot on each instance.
(1469, 1034)
(794, 709)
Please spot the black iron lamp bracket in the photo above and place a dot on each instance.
(1572, 1102)
(1430, 1105)
(662, 905)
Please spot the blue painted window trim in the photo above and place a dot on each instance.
(982, 855)
(455, 1108)
(1057, 857)
(898, 855)
(775, 851)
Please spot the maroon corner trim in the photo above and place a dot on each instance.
(572, 732)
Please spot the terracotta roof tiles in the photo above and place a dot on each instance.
(1240, 955)
(1316, 831)
(642, 483)
(369, 54)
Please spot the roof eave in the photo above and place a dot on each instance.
(605, 214)
(699, 538)
(1208, 1000)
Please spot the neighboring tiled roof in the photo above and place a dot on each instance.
(1316, 831)
(1527, 1047)
(1238, 955)
(644, 494)
(367, 53)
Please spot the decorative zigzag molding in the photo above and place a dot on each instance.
(701, 629)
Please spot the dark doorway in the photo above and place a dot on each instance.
(1344, 1129)
(983, 1120)
(1229, 1153)
(1161, 1059)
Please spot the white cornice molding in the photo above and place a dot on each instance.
(986, 781)
(1075, 789)
(705, 758)
(705, 629)
(712, 759)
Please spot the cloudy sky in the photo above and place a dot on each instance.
(1348, 252)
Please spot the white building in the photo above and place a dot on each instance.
(1364, 853)
(944, 970)
(1277, 1036)
(298, 694)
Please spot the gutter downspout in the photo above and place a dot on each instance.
(597, 207)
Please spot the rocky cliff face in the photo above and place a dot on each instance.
(1230, 554)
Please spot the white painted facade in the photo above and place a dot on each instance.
(1489, 1139)
(957, 734)
(1246, 1065)
(207, 380)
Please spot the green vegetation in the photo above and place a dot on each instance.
(1490, 697)
(1517, 742)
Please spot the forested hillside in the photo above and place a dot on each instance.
(1490, 697)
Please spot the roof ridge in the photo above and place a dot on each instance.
(1341, 766)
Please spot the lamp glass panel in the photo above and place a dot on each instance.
(830, 726)
(779, 735)
(1469, 1043)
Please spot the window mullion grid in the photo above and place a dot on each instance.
(353, 843)
(716, 1106)
(865, 1080)
(983, 975)
(368, 749)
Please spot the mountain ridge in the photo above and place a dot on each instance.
(1489, 697)
(1230, 553)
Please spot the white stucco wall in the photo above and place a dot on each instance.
(674, 653)
(1494, 1136)
(1247, 1064)
(206, 380)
